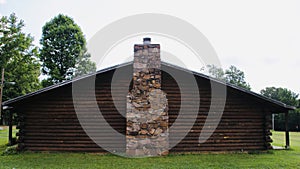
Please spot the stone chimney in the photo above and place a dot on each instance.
(147, 105)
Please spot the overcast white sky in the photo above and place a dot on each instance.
(262, 38)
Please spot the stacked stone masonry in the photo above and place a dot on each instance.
(147, 105)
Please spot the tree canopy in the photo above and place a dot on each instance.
(232, 75)
(63, 50)
(216, 72)
(18, 58)
(84, 65)
(237, 77)
(281, 94)
(288, 97)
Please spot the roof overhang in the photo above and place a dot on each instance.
(269, 100)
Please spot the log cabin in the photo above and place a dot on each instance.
(66, 116)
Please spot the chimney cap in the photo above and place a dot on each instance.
(147, 40)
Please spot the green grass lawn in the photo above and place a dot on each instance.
(4, 138)
(279, 139)
(272, 159)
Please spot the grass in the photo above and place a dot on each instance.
(279, 139)
(4, 138)
(272, 159)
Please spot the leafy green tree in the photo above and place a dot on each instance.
(63, 51)
(236, 77)
(18, 59)
(232, 75)
(281, 94)
(84, 65)
(23, 71)
(288, 97)
(216, 72)
(12, 40)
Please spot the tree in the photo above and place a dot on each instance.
(11, 38)
(281, 94)
(216, 72)
(288, 97)
(236, 77)
(84, 65)
(63, 50)
(24, 73)
(232, 75)
(18, 59)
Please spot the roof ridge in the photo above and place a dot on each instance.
(163, 63)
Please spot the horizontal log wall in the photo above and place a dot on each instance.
(48, 121)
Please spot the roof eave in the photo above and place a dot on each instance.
(8, 102)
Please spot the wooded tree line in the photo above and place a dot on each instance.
(237, 77)
(290, 98)
(63, 56)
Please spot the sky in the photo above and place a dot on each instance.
(260, 37)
